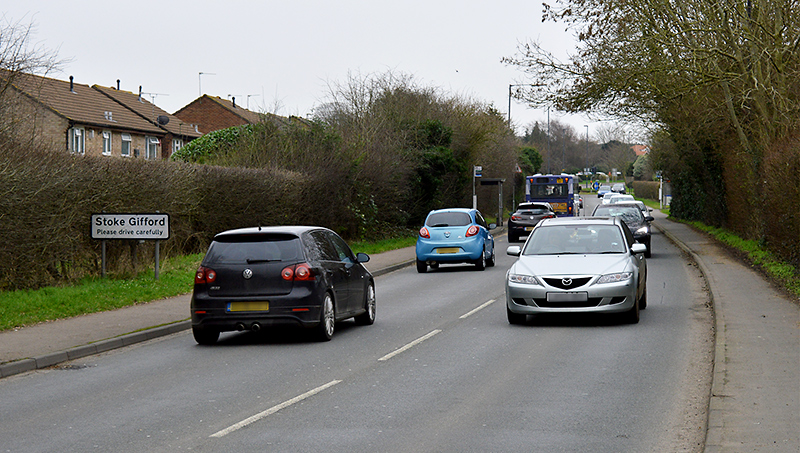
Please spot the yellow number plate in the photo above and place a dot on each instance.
(248, 306)
(447, 250)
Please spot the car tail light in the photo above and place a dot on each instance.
(423, 232)
(204, 275)
(549, 216)
(516, 217)
(298, 272)
(472, 231)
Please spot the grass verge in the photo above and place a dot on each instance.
(783, 273)
(385, 245)
(27, 307)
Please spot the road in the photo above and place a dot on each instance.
(440, 370)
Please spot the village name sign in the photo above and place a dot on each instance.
(130, 226)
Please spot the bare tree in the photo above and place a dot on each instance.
(18, 55)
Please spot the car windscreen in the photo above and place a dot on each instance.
(446, 219)
(575, 239)
(628, 214)
(255, 248)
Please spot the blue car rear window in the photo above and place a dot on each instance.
(448, 219)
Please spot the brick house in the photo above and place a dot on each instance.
(640, 150)
(212, 113)
(178, 132)
(76, 117)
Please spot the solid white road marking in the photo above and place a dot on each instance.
(408, 346)
(467, 315)
(273, 409)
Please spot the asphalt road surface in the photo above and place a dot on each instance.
(440, 370)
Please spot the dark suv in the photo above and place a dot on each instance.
(526, 217)
(632, 215)
(257, 277)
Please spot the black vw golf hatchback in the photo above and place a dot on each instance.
(252, 278)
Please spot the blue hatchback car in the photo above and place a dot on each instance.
(455, 236)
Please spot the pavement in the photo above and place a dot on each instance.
(755, 394)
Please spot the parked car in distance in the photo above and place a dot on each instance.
(618, 188)
(621, 199)
(602, 190)
(577, 265)
(526, 217)
(452, 236)
(633, 218)
(253, 278)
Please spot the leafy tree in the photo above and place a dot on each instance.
(720, 79)
(530, 161)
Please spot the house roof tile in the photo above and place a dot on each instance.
(82, 104)
(149, 111)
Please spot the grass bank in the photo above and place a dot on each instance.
(91, 295)
(783, 273)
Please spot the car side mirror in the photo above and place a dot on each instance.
(492, 226)
(638, 248)
(362, 257)
(514, 250)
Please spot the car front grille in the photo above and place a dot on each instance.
(567, 283)
(592, 302)
(543, 303)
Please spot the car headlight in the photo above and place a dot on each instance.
(615, 278)
(643, 230)
(526, 279)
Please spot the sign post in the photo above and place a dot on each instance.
(154, 227)
(476, 173)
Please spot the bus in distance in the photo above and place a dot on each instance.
(558, 190)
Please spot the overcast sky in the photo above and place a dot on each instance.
(287, 53)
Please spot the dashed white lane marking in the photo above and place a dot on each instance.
(273, 409)
(467, 315)
(408, 346)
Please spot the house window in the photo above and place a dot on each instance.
(106, 143)
(177, 144)
(152, 148)
(125, 149)
(76, 140)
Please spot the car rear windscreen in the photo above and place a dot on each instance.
(533, 211)
(254, 248)
(448, 219)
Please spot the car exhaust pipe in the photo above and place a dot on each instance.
(240, 327)
(255, 327)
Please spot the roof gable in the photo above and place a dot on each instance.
(149, 111)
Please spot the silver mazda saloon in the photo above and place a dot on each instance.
(577, 265)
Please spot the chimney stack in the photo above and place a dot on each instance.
(117, 84)
(71, 85)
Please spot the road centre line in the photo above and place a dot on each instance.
(467, 315)
(274, 409)
(408, 346)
